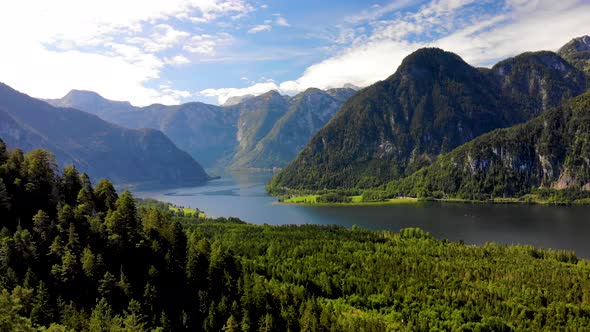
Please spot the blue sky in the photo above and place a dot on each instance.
(173, 51)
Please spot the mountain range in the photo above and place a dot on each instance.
(102, 149)
(550, 151)
(432, 104)
(261, 132)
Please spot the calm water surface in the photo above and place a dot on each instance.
(242, 195)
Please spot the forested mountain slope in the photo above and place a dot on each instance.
(432, 104)
(550, 151)
(577, 52)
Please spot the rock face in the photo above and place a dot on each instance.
(300, 118)
(250, 134)
(101, 149)
(257, 117)
(432, 104)
(577, 52)
(537, 81)
(550, 151)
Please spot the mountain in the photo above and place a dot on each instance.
(433, 103)
(206, 132)
(257, 117)
(101, 149)
(577, 52)
(537, 81)
(91, 102)
(302, 116)
(236, 100)
(550, 151)
(249, 134)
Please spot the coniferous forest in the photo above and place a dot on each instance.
(79, 256)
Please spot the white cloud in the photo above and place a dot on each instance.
(281, 21)
(177, 60)
(260, 28)
(223, 95)
(106, 46)
(376, 11)
(525, 25)
(206, 44)
(164, 37)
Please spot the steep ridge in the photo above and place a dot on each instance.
(101, 149)
(257, 117)
(432, 104)
(550, 151)
(577, 52)
(307, 113)
(228, 136)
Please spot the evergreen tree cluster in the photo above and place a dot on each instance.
(81, 257)
(88, 259)
(549, 152)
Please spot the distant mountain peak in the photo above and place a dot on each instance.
(90, 102)
(77, 96)
(577, 52)
(77, 93)
(428, 56)
(350, 86)
(433, 62)
(580, 43)
(271, 94)
(231, 101)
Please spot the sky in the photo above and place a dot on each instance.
(175, 51)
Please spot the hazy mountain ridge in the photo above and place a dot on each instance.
(306, 114)
(101, 149)
(227, 136)
(257, 117)
(432, 104)
(91, 102)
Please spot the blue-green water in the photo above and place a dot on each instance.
(242, 195)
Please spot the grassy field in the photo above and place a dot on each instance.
(358, 200)
(188, 211)
(355, 200)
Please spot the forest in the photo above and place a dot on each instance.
(76, 255)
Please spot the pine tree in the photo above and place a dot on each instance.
(107, 285)
(4, 201)
(106, 196)
(3, 152)
(41, 225)
(70, 184)
(101, 317)
(88, 261)
(231, 325)
(42, 311)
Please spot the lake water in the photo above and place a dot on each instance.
(242, 195)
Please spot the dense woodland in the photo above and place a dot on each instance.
(434, 103)
(81, 257)
(550, 151)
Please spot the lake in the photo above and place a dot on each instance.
(242, 195)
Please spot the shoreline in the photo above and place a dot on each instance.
(309, 200)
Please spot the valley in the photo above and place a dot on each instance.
(285, 166)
